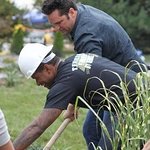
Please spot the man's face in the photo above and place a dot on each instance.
(63, 23)
(46, 76)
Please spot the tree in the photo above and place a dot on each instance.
(38, 3)
(95, 3)
(17, 40)
(7, 10)
(58, 44)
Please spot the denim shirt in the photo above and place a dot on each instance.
(97, 32)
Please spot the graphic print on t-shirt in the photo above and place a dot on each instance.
(83, 62)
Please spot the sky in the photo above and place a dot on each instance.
(24, 3)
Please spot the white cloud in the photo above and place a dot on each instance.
(24, 3)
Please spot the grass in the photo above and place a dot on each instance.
(23, 102)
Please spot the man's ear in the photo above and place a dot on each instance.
(72, 12)
(49, 67)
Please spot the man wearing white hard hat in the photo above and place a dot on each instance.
(78, 75)
(28, 63)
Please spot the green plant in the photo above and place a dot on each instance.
(17, 43)
(35, 147)
(133, 126)
(58, 44)
(12, 75)
(23, 102)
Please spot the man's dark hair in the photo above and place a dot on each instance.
(62, 5)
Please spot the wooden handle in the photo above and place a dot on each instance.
(57, 134)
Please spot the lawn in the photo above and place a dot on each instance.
(23, 102)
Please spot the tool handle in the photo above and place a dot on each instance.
(57, 134)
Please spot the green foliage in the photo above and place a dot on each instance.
(95, 3)
(12, 73)
(133, 126)
(17, 41)
(134, 19)
(22, 103)
(38, 3)
(7, 10)
(35, 147)
(58, 44)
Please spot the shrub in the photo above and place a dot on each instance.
(12, 75)
(17, 42)
(58, 44)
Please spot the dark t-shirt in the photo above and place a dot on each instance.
(88, 76)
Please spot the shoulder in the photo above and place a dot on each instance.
(87, 15)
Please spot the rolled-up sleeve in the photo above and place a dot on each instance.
(4, 134)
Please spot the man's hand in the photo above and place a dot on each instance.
(71, 112)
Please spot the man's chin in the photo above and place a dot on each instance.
(48, 86)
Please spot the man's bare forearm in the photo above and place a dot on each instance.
(36, 128)
(27, 137)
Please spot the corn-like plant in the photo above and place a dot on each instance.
(133, 115)
(12, 73)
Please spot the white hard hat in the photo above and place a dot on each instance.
(32, 55)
